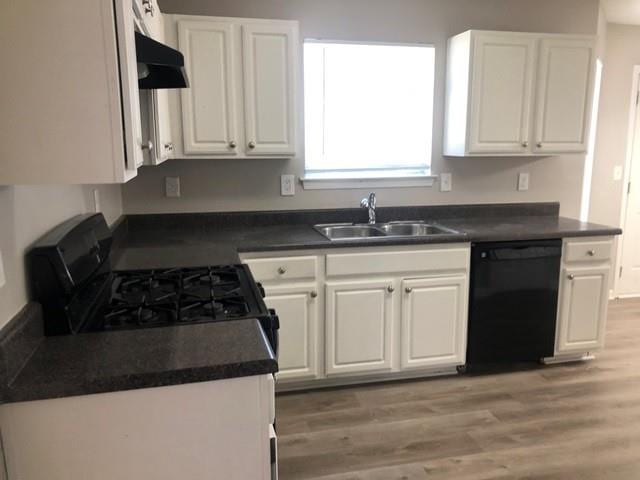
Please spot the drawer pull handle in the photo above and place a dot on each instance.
(313, 294)
(408, 290)
(390, 289)
(591, 253)
(282, 270)
(571, 277)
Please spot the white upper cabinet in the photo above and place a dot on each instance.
(565, 85)
(208, 105)
(70, 105)
(516, 94)
(501, 109)
(242, 95)
(269, 54)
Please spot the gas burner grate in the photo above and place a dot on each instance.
(181, 295)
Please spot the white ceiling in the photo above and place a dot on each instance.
(622, 11)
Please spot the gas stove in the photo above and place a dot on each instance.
(79, 292)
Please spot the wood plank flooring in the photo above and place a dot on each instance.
(563, 422)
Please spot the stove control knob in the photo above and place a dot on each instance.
(282, 270)
(313, 294)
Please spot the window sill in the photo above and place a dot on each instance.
(315, 183)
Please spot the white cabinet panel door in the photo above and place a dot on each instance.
(501, 96)
(583, 309)
(565, 85)
(208, 106)
(297, 309)
(434, 321)
(358, 326)
(269, 53)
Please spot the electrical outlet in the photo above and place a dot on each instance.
(3, 279)
(617, 173)
(287, 185)
(172, 187)
(96, 200)
(523, 181)
(445, 182)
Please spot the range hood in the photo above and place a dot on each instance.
(159, 66)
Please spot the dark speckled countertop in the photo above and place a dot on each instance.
(33, 367)
(154, 241)
(102, 362)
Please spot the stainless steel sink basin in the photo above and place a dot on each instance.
(413, 229)
(349, 232)
(381, 230)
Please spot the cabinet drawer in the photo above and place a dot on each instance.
(576, 251)
(285, 268)
(403, 261)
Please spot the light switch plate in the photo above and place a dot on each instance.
(523, 181)
(445, 182)
(617, 173)
(287, 185)
(172, 187)
(3, 279)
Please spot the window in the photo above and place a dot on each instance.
(368, 110)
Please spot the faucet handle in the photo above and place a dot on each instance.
(364, 203)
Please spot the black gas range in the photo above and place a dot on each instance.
(72, 278)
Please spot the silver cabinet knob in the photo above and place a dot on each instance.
(282, 270)
(168, 146)
(313, 294)
(232, 144)
(571, 277)
(591, 253)
(252, 145)
(147, 146)
(390, 289)
(525, 144)
(539, 144)
(408, 290)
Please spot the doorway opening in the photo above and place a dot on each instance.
(627, 282)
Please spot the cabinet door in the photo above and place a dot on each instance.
(270, 54)
(565, 88)
(434, 321)
(297, 309)
(126, 24)
(583, 309)
(358, 326)
(208, 105)
(501, 93)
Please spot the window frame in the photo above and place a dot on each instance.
(318, 180)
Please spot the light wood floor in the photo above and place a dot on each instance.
(575, 421)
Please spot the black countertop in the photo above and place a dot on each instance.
(34, 367)
(102, 362)
(155, 241)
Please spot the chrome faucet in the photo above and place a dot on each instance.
(370, 204)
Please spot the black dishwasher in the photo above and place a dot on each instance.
(513, 301)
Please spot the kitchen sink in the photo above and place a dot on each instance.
(382, 230)
(349, 232)
(413, 229)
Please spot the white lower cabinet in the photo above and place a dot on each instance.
(434, 321)
(297, 309)
(583, 309)
(362, 314)
(583, 295)
(359, 317)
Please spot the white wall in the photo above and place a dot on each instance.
(26, 213)
(622, 53)
(224, 185)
